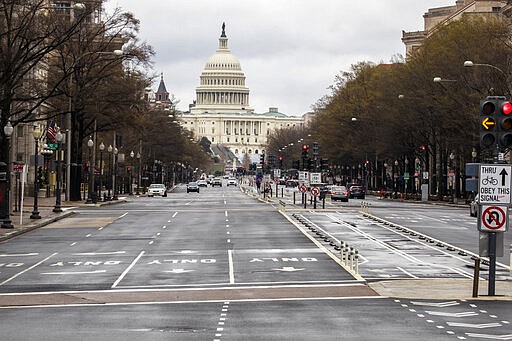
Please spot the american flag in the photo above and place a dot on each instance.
(53, 129)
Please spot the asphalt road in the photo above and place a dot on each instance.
(222, 265)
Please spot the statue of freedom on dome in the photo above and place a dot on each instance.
(223, 30)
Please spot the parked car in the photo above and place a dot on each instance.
(217, 182)
(339, 193)
(473, 207)
(192, 187)
(357, 192)
(157, 189)
(292, 183)
(231, 181)
(202, 183)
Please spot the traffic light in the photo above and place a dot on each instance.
(280, 162)
(315, 149)
(324, 165)
(305, 150)
(504, 123)
(262, 159)
(296, 164)
(129, 169)
(311, 165)
(495, 122)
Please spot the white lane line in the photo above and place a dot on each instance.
(72, 244)
(98, 253)
(174, 215)
(18, 254)
(406, 272)
(74, 273)
(151, 242)
(88, 235)
(28, 269)
(231, 267)
(226, 213)
(125, 272)
(122, 215)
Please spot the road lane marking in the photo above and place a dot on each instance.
(226, 213)
(18, 254)
(88, 235)
(125, 272)
(28, 269)
(73, 244)
(122, 215)
(74, 273)
(174, 215)
(98, 253)
(231, 267)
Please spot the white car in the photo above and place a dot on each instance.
(157, 189)
(202, 183)
(231, 181)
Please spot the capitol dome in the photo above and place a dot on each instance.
(222, 82)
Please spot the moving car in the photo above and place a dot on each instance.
(217, 182)
(292, 183)
(202, 183)
(339, 193)
(192, 187)
(357, 192)
(231, 181)
(157, 189)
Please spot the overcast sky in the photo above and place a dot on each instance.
(289, 50)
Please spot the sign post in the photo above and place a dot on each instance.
(493, 200)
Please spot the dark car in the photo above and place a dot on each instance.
(192, 187)
(339, 193)
(292, 183)
(357, 192)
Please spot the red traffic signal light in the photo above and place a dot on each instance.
(305, 147)
(280, 158)
(505, 125)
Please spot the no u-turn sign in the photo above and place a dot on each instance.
(493, 218)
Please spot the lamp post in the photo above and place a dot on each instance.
(132, 155)
(102, 148)
(57, 209)
(138, 174)
(36, 133)
(90, 144)
(452, 177)
(109, 149)
(47, 152)
(114, 186)
(396, 174)
(6, 204)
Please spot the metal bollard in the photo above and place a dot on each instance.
(342, 250)
(351, 258)
(476, 275)
(357, 262)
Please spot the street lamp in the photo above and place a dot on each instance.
(6, 205)
(452, 177)
(102, 148)
(110, 150)
(114, 186)
(138, 174)
(57, 209)
(36, 133)
(132, 155)
(90, 144)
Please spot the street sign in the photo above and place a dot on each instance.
(52, 146)
(494, 184)
(315, 178)
(303, 176)
(303, 189)
(277, 173)
(493, 218)
(315, 191)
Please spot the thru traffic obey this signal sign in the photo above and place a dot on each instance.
(494, 184)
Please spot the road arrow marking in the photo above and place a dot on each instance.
(442, 313)
(178, 271)
(288, 269)
(471, 325)
(74, 272)
(435, 304)
(494, 337)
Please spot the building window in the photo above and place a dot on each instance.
(236, 151)
(256, 151)
(228, 139)
(496, 9)
(213, 139)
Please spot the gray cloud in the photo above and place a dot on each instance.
(290, 50)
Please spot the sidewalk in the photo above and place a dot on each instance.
(45, 209)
